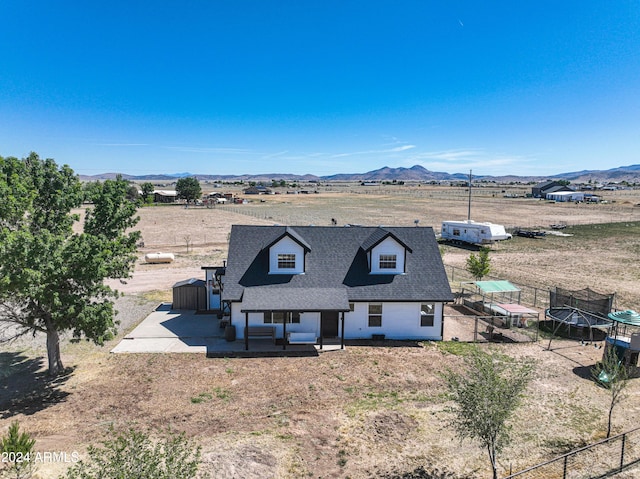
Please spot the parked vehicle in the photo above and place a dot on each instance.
(529, 233)
(472, 232)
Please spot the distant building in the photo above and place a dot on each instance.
(541, 190)
(563, 196)
(257, 190)
(165, 196)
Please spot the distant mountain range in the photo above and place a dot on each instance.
(415, 173)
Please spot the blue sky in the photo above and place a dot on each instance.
(321, 87)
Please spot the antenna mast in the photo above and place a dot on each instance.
(469, 207)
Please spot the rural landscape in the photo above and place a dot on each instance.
(376, 409)
(322, 240)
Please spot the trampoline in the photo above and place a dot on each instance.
(579, 324)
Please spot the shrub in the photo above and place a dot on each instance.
(133, 455)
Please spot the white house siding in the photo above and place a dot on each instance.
(286, 246)
(388, 246)
(309, 322)
(399, 321)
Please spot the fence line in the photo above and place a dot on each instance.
(529, 295)
(616, 214)
(480, 329)
(599, 460)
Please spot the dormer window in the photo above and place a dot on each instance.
(388, 261)
(287, 253)
(386, 253)
(286, 260)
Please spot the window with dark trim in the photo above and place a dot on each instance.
(277, 317)
(375, 315)
(286, 260)
(427, 314)
(387, 261)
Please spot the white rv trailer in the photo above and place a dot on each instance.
(473, 233)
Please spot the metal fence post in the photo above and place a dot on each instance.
(624, 437)
(564, 472)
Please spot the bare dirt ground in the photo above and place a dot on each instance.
(360, 413)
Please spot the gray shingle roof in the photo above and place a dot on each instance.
(293, 234)
(377, 236)
(295, 299)
(335, 260)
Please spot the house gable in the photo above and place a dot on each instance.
(386, 253)
(387, 257)
(286, 256)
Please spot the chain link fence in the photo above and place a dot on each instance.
(529, 295)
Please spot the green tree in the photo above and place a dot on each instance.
(147, 192)
(485, 395)
(133, 455)
(189, 189)
(16, 449)
(611, 374)
(479, 266)
(133, 194)
(52, 278)
(90, 189)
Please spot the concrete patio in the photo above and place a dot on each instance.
(181, 331)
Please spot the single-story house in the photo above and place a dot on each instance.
(257, 190)
(353, 282)
(564, 196)
(165, 196)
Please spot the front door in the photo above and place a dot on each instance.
(329, 320)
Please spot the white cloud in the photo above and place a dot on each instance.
(274, 155)
(451, 155)
(396, 149)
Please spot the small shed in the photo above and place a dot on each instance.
(190, 294)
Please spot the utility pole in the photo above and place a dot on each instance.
(469, 206)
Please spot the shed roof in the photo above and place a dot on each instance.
(626, 317)
(565, 193)
(558, 189)
(190, 282)
(546, 184)
(165, 192)
(513, 308)
(496, 286)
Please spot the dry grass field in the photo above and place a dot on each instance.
(360, 413)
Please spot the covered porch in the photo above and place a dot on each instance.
(293, 317)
